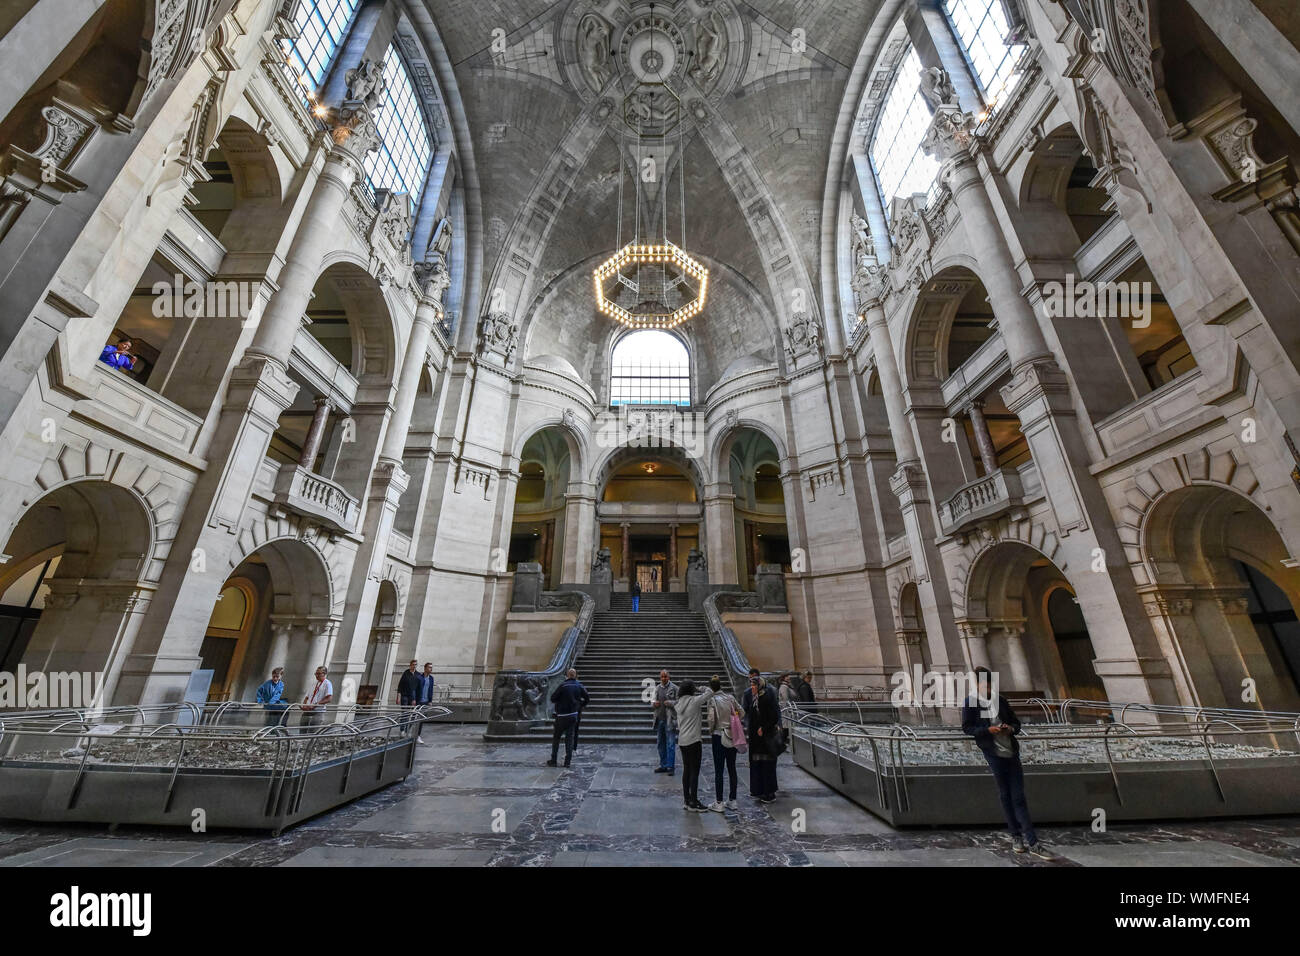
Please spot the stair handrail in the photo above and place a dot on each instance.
(519, 695)
(723, 638)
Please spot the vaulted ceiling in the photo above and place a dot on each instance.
(548, 89)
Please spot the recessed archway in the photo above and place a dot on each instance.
(1226, 596)
(1008, 622)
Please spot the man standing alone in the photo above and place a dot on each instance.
(666, 724)
(996, 737)
(569, 699)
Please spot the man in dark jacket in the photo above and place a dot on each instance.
(636, 595)
(408, 687)
(996, 737)
(804, 692)
(569, 699)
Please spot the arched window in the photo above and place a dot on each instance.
(901, 166)
(321, 25)
(981, 26)
(650, 368)
(402, 160)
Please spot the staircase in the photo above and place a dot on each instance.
(624, 649)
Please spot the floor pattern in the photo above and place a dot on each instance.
(471, 803)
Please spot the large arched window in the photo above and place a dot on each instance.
(981, 26)
(901, 166)
(402, 160)
(650, 368)
(321, 25)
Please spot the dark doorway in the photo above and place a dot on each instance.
(1074, 646)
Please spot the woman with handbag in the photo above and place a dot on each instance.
(762, 717)
(723, 716)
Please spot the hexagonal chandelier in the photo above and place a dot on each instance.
(652, 314)
(651, 282)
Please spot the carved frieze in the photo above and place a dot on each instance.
(498, 334)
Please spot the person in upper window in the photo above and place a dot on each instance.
(119, 356)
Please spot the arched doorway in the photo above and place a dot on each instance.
(913, 647)
(538, 527)
(650, 516)
(75, 589)
(286, 622)
(1010, 626)
(754, 470)
(1225, 593)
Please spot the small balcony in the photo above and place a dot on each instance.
(308, 494)
(981, 500)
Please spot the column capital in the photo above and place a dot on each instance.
(950, 136)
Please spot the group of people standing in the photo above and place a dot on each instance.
(682, 713)
(414, 689)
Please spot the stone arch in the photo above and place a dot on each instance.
(370, 315)
(573, 437)
(1004, 626)
(720, 448)
(927, 334)
(97, 537)
(321, 594)
(1032, 534)
(1223, 589)
(1226, 469)
(674, 454)
(76, 462)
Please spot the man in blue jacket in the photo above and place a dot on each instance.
(996, 737)
(270, 695)
(569, 698)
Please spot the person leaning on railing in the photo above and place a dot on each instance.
(270, 695)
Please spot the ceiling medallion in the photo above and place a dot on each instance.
(651, 313)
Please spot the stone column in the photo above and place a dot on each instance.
(316, 433)
(279, 652)
(354, 134)
(544, 557)
(974, 641)
(720, 533)
(433, 279)
(388, 641)
(322, 633)
(1016, 659)
(581, 534)
(627, 554)
(948, 140)
(910, 485)
(983, 440)
(672, 554)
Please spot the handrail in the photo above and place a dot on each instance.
(570, 645)
(723, 638)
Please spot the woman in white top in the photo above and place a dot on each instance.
(690, 720)
(721, 706)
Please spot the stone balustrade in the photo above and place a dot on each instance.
(981, 499)
(310, 495)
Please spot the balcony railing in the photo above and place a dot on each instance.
(982, 499)
(308, 494)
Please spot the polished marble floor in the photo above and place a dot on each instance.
(477, 804)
